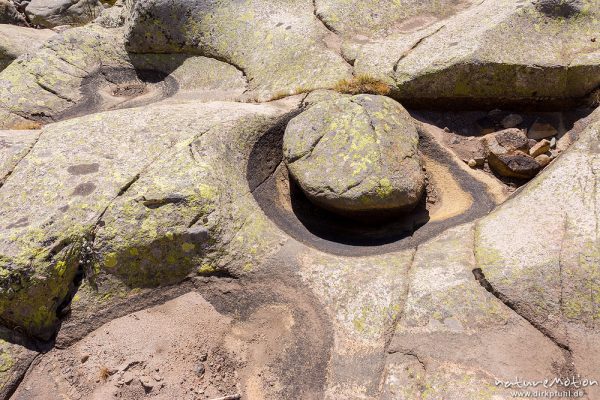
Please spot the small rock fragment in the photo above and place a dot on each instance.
(540, 148)
(127, 377)
(147, 383)
(543, 160)
(515, 165)
(84, 358)
(472, 163)
(505, 141)
(511, 121)
(553, 142)
(541, 130)
(200, 369)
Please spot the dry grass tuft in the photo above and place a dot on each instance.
(363, 84)
(104, 373)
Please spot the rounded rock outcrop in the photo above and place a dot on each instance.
(356, 156)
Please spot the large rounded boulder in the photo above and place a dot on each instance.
(356, 156)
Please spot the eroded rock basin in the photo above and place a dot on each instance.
(268, 305)
(153, 245)
(456, 193)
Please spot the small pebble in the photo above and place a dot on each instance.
(200, 369)
(472, 163)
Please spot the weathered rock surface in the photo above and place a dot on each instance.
(188, 211)
(546, 264)
(46, 84)
(490, 53)
(453, 339)
(73, 178)
(505, 141)
(16, 40)
(146, 204)
(280, 45)
(381, 17)
(14, 145)
(64, 78)
(16, 354)
(506, 154)
(539, 148)
(541, 130)
(356, 155)
(365, 296)
(51, 13)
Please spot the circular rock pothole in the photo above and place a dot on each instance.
(453, 197)
(113, 88)
(457, 191)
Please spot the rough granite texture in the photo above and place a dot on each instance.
(142, 198)
(548, 270)
(280, 45)
(490, 52)
(46, 228)
(356, 155)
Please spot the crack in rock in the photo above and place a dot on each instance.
(480, 278)
(414, 46)
(26, 152)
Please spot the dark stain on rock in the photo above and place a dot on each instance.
(559, 8)
(83, 169)
(19, 223)
(84, 189)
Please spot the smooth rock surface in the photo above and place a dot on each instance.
(356, 155)
(51, 13)
(281, 46)
(489, 53)
(17, 40)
